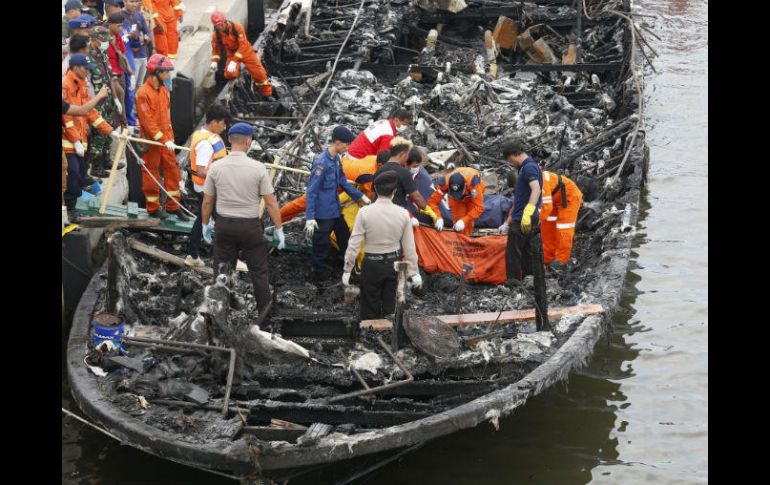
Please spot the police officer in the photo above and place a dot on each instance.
(386, 232)
(237, 183)
(323, 212)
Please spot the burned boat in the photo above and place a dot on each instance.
(201, 383)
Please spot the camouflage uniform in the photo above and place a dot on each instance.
(99, 145)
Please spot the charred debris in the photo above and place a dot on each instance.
(562, 77)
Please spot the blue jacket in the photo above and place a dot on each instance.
(326, 175)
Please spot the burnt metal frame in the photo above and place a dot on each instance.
(175, 345)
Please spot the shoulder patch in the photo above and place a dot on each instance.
(318, 169)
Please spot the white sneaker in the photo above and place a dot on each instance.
(241, 266)
(196, 263)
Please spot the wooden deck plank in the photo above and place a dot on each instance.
(510, 316)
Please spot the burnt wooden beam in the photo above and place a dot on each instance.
(510, 316)
(401, 68)
(492, 13)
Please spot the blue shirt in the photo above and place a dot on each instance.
(424, 185)
(141, 26)
(528, 172)
(325, 176)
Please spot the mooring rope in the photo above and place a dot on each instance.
(141, 163)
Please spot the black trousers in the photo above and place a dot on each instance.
(245, 235)
(378, 287)
(322, 246)
(524, 255)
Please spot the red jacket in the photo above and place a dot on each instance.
(373, 140)
(113, 56)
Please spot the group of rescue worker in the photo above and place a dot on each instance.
(123, 63)
(365, 194)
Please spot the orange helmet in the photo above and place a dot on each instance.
(159, 63)
(218, 18)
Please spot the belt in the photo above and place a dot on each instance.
(383, 257)
(220, 217)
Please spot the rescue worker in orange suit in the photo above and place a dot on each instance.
(230, 37)
(153, 109)
(166, 14)
(561, 202)
(378, 135)
(74, 137)
(466, 199)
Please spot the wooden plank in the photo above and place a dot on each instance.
(118, 222)
(168, 257)
(510, 316)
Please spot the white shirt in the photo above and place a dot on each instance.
(203, 153)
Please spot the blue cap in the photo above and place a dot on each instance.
(456, 185)
(73, 5)
(83, 22)
(81, 60)
(343, 134)
(241, 129)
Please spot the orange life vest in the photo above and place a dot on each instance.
(216, 142)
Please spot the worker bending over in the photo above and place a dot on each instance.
(229, 41)
(424, 184)
(166, 14)
(74, 139)
(561, 202)
(378, 136)
(153, 109)
(399, 153)
(237, 183)
(206, 146)
(323, 211)
(466, 198)
(386, 233)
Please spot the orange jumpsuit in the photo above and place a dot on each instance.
(470, 207)
(165, 13)
(75, 128)
(153, 109)
(558, 214)
(352, 169)
(238, 50)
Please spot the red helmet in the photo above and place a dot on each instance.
(159, 63)
(218, 18)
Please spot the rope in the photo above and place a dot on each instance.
(141, 163)
(79, 270)
(107, 433)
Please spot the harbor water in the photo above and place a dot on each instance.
(638, 413)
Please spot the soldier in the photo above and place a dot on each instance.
(98, 156)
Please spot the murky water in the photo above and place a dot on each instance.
(639, 412)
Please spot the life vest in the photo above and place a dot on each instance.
(219, 151)
(472, 181)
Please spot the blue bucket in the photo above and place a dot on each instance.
(108, 327)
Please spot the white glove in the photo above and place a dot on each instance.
(503, 230)
(415, 222)
(439, 223)
(115, 133)
(79, 149)
(170, 145)
(214, 66)
(231, 66)
(118, 105)
(416, 281)
(346, 279)
(310, 227)
(459, 225)
(281, 238)
(366, 200)
(243, 66)
(208, 232)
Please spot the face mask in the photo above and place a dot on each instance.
(415, 170)
(103, 46)
(401, 128)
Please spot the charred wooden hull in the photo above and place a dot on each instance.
(602, 244)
